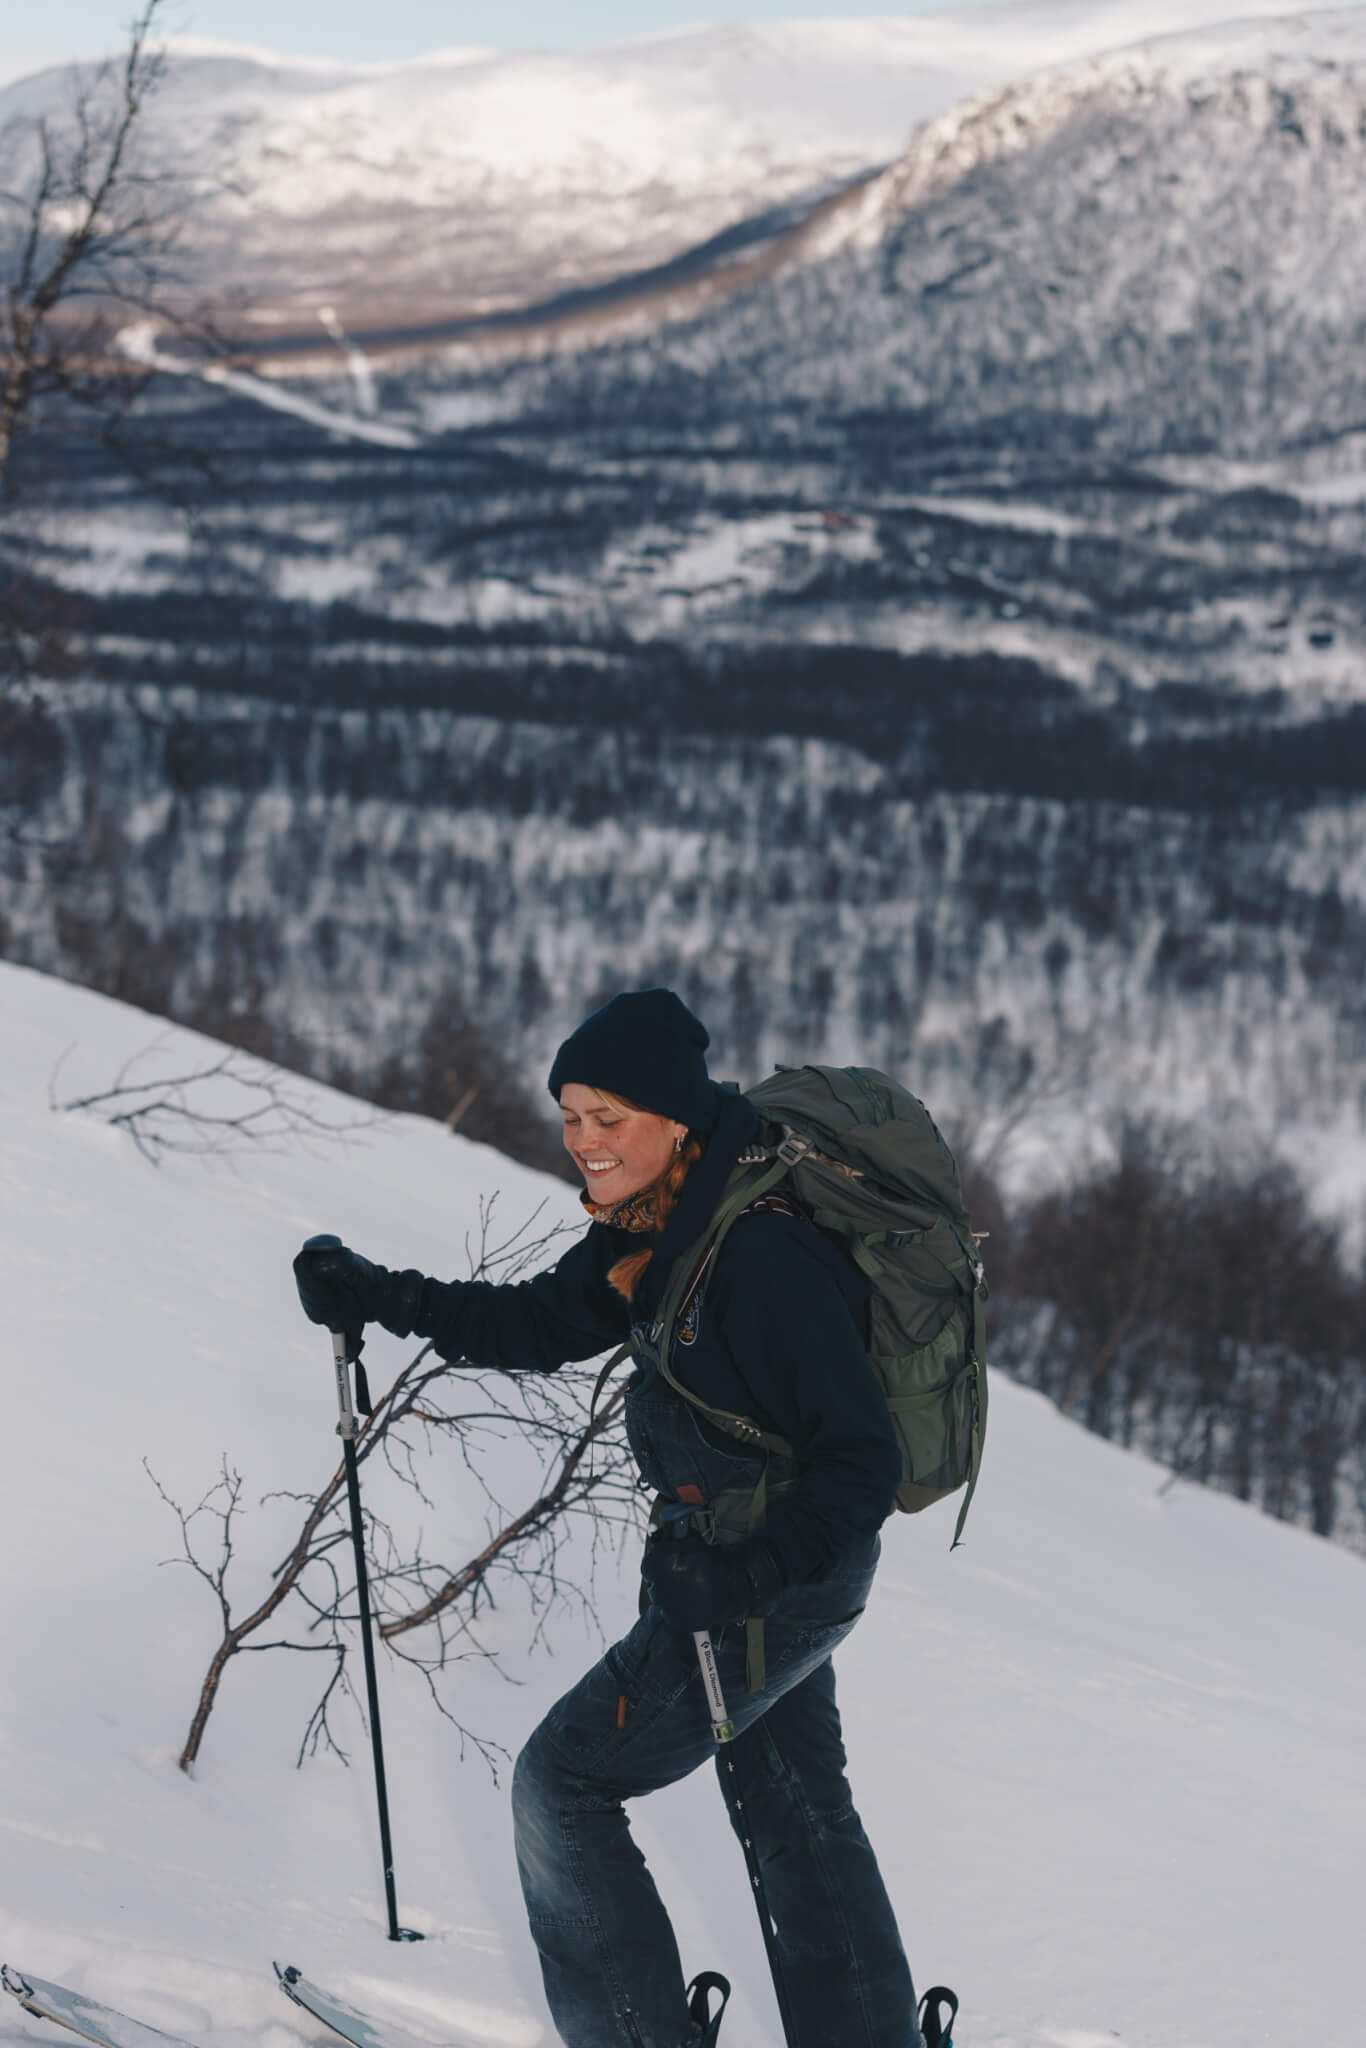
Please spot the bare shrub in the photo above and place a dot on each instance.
(1199, 1311)
(428, 1604)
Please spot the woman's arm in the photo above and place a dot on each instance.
(534, 1325)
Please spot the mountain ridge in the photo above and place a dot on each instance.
(1161, 250)
(480, 182)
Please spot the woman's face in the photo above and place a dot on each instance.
(618, 1150)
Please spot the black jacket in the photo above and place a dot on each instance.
(777, 1339)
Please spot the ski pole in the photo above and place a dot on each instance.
(347, 1428)
(723, 1728)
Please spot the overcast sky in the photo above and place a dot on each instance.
(34, 33)
(38, 32)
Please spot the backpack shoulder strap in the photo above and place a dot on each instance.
(758, 1170)
(753, 1179)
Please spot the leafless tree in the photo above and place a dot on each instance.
(90, 234)
(92, 221)
(428, 1607)
(1013, 1096)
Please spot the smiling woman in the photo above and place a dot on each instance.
(767, 1536)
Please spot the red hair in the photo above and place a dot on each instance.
(658, 1204)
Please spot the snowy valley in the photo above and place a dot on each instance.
(946, 649)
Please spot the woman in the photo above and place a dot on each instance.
(773, 1335)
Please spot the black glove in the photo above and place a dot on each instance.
(343, 1291)
(699, 1585)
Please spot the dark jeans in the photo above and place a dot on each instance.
(639, 1720)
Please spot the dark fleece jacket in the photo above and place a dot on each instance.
(777, 1340)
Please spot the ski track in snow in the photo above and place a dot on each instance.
(139, 343)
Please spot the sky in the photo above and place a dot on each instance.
(356, 30)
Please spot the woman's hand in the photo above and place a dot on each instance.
(343, 1291)
(699, 1585)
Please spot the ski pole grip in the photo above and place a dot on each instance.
(722, 1727)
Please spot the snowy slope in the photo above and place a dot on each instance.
(473, 178)
(1110, 1751)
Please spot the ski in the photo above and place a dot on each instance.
(108, 2028)
(361, 2031)
(353, 2025)
(84, 2016)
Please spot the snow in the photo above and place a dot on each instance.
(473, 178)
(1109, 1751)
(358, 367)
(1015, 514)
(139, 342)
(281, 60)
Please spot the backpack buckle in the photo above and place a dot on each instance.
(793, 1148)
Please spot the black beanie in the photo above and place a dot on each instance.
(648, 1047)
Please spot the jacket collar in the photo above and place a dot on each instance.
(737, 1124)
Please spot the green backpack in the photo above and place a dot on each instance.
(863, 1158)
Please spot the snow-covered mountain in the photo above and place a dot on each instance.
(472, 179)
(1109, 1750)
(1163, 245)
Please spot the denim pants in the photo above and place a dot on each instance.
(639, 1720)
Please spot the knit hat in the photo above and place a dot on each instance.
(648, 1047)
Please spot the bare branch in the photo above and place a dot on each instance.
(176, 1112)
(42, 193)
(92, 238)
(318, 1730)
(551, 1503)
(229, 1485)
(140, 76)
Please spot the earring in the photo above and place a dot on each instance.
(678, 1142)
